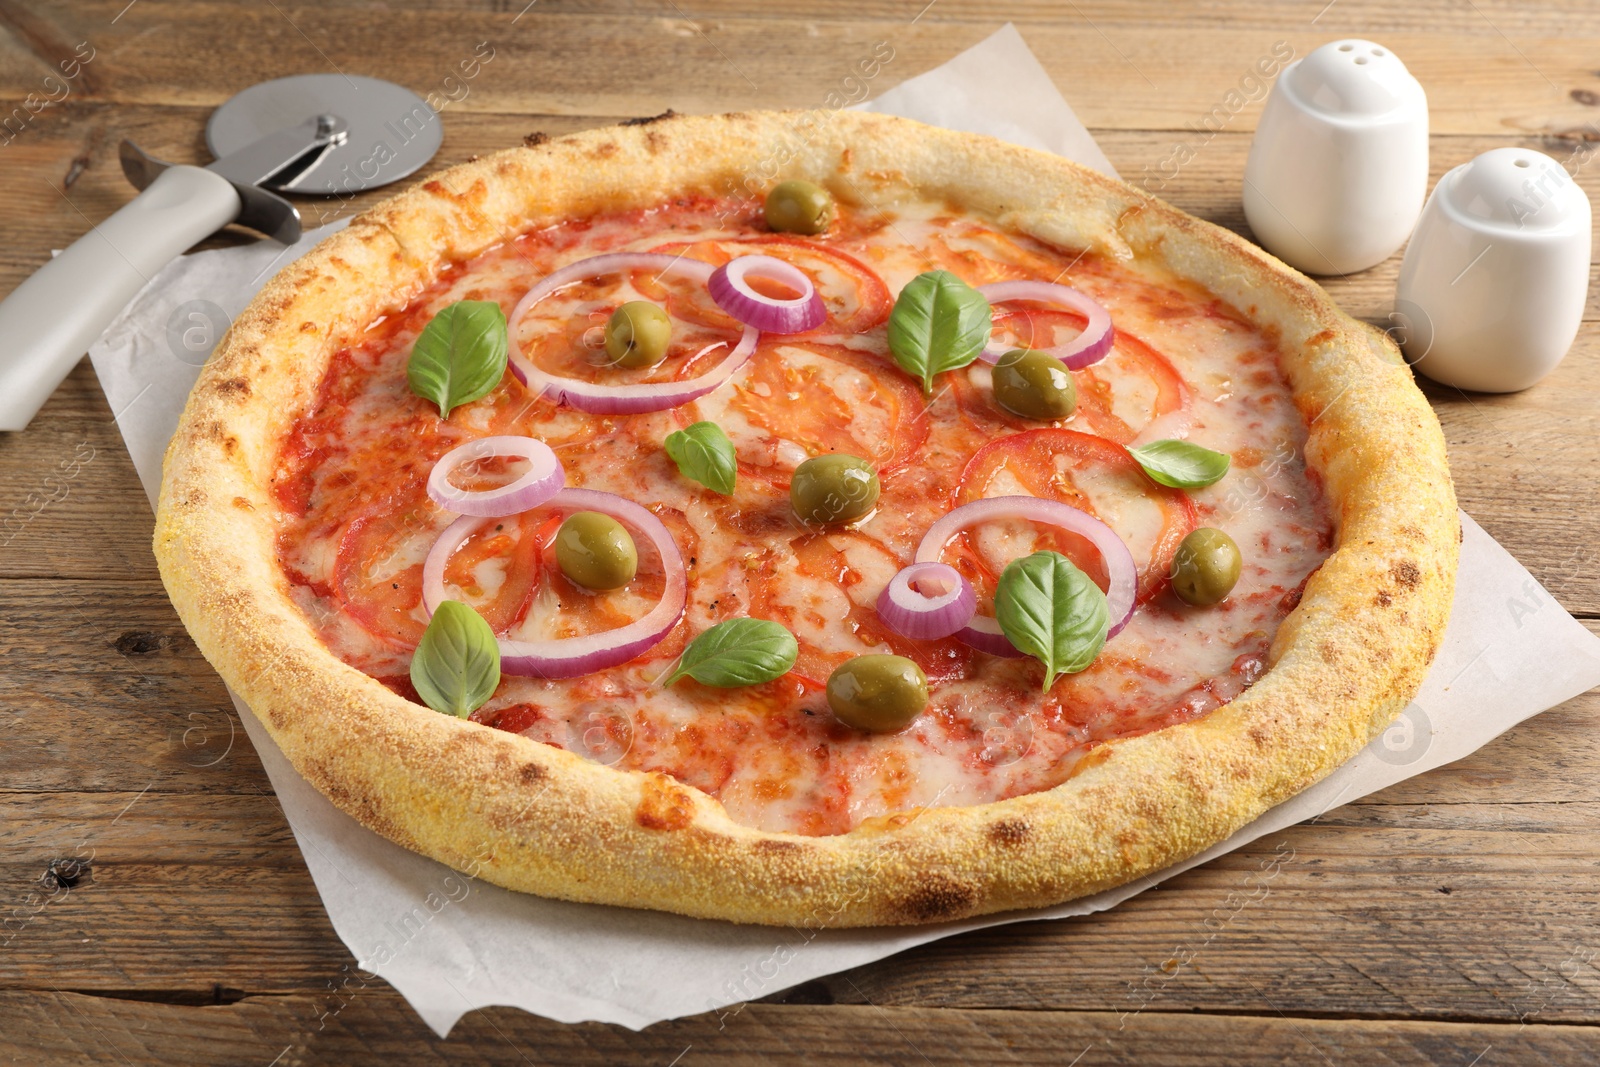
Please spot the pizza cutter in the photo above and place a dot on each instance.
(312, 134)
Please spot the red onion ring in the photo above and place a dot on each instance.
(1090, 346)
(543, 480)
(982, 632)
(598, 398)
(912, 613)
(734, 295)
(568, 657)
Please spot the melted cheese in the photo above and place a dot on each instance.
(356, 522)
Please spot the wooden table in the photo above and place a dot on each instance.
(155, 907)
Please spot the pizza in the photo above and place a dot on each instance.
(815, 519)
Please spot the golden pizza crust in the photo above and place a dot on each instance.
(535, 818)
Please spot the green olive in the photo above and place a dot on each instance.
(1206, 567)
(877, 693)
(1034, 384)
(836, 488)
(638, 334)
(799, 207)
(595, 551)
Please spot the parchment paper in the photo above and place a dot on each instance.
(450, 944)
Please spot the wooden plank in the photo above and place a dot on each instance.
(102, 688)
(1456, 910)
(374, 1024)
(1366, 17)
(1144, 75)
(39, 217)
(83, 140)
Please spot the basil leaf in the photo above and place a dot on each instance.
(457, 663)
(1052, 611)
(939, 323)
(460, 355)
(704, 454)
(1181, 464)
(738, 652)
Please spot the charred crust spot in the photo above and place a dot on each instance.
(1258, 735)
(648, 119)
(277, 718)
(1292, 598)
(1383, 599)
(654, 142)
(536, 138)
(529, 773)
(937, 897)
(438, 188)
(365, 809)
(1009, 831)
(1406, 573)
(1329, 651)
(603, 150)
(663, 805)
(233, 387)
(473, 740)
(1412, 532)
(775, 845)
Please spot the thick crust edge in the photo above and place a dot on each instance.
(533, 818)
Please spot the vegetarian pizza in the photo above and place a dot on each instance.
(815, 519)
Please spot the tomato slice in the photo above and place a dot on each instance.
(378, 573)
(1092, 474)
(980, 256)
(564, 334)
(840, 558)
(376, 586)
(799, 398)
(1134, 379)
(855, 297)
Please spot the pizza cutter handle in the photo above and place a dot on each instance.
(51, 319)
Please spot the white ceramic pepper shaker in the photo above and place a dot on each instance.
(1339, 163)
(1493, 285)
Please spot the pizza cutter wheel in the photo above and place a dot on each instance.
(310, 135)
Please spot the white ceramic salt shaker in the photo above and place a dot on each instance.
(1339, 163)
(1494, 282)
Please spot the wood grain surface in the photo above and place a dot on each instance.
(154, 907)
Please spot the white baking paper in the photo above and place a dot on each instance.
(450, 944)
(996, 87)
